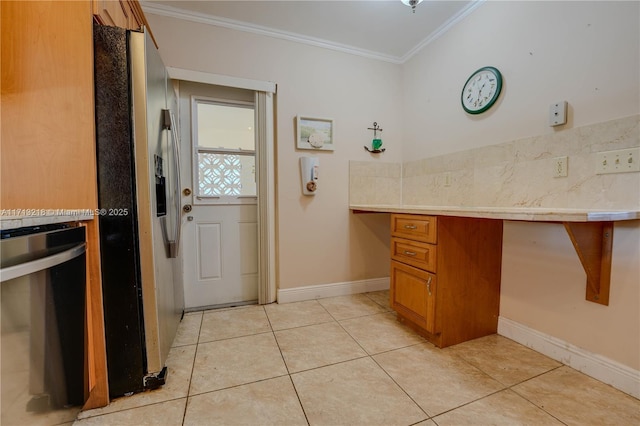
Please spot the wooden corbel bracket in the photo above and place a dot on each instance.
(593, 242)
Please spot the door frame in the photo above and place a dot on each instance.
(265, 169)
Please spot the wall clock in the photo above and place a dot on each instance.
(481, 90)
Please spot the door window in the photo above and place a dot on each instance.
(224, 143)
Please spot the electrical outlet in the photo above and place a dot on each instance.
(560, 167)
(618, 161)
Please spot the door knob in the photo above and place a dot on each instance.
(187, 208)
(186, 192)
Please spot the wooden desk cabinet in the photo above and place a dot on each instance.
(445, 275)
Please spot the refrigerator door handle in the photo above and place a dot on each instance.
(174, 240)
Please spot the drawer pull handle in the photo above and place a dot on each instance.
(410, 253)
(410, 227)
(429, 285)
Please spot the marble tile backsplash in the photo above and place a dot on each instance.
(375, 183)
(513, 174)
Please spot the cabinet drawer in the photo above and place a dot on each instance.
(415, 253)
(414, 227)
(413, 294)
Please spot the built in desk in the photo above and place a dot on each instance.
(444, 281)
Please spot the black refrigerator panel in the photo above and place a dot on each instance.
(121, 276)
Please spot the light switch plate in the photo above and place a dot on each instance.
(618, 161)
(558, 113)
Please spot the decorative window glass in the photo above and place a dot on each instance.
(225, 146)
(226, 175)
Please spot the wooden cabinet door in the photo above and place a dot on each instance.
(413, 295)
(48, 137)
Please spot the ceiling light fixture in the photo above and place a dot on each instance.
(412, 3)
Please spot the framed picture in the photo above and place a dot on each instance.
(314, 133)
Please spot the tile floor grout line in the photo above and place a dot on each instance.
(234, 337)
(295, 389)
(305, 325)
(531, 402)
(273, 333)
(403, 390)
(239, 385)
(193, 369)
(126, 409)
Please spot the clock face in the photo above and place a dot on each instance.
(481, 90)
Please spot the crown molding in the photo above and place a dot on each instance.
(172, 12)
(463, 13)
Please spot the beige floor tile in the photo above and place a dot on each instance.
(230, 323)
(188, 330)
(380, 333)
(438, 381)
(298, 314)
(233, 362)
(381, 298)
(502, 408)
(503, 359)
(355, 392)
(317, 345)
(179, 365)
(269, 402)
(17, 415)
(577, 399)
(167, 413)
(355, 305)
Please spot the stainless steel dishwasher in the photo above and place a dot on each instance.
(42, 297)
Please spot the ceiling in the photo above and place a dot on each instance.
(380, 29)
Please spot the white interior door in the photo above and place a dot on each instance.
(220, 232)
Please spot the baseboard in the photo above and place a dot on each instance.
(601, 368)
(299, 294)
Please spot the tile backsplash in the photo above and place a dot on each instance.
(512, 174)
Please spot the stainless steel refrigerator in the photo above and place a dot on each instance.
(139, 210)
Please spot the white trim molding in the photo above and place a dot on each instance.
(202, 18)
(601, 368)
(221, 80)
(299, 294)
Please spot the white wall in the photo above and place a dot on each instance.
(319, 240)
(587, 53)
(584, 52)
(580, 51)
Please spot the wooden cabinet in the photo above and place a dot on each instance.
(48, 148)
(414, 295)
(121, 13)
(48, 135)
(48, 157)
(116, 13)
(445, 275)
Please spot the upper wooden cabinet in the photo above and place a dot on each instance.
(48, 148)
(121, 13)
(116, 13)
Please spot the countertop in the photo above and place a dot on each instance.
(18, 218)
(537, 214)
